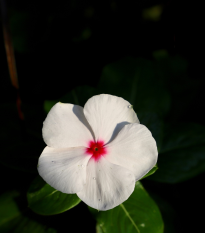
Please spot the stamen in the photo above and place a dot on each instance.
(96, 149)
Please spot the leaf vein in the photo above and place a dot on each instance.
(132, 221)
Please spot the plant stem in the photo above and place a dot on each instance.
(10, 55)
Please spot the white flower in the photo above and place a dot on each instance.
(98, 152)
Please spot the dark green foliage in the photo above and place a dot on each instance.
(45, 200)
(12, 219)
(139, 214)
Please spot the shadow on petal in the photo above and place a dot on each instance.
(117, 129)
(81, 117)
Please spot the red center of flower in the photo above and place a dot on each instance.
(96, 149)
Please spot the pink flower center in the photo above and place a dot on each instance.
(96, 149)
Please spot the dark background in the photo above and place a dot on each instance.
(60, 45)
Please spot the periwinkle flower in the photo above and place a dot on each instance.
(98, 152)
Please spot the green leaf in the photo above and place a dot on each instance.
(155, 124)
(19, 29)
(167, 211)
(174, 70)
(45, 200)
(137, 81)
(152, 171)
(9, 212)
(182, 155)
(14, 220)
(99, 229)
(78, 96)
(139, 214)
(48, 104)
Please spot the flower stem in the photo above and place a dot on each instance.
(10, 55)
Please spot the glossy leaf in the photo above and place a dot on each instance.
(99, 228)
(45, 200)
(151, 172)
(139, 214)
(14, 220)
(48, 104)
(182, 155)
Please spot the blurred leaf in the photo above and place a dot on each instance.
(183, 89)
(167, 211)
(152, 171)
(9, 212)
(99, 228)
(81, 94)
(153, 13)
(22, 156)
(176, 66)
(13, 220)
(78, 96)
(160, 54)
(34, 116)
(19, 29)
(183, 136)
(153, 122)
(137, 81)
(20, 148)
(45, 200)
(182, 155)
(138, 214)
(48, 104)
(84, 35)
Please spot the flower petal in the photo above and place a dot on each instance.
(66, 126)
(135, 149)
(64, 169)
(107, 115)
(107, 185)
